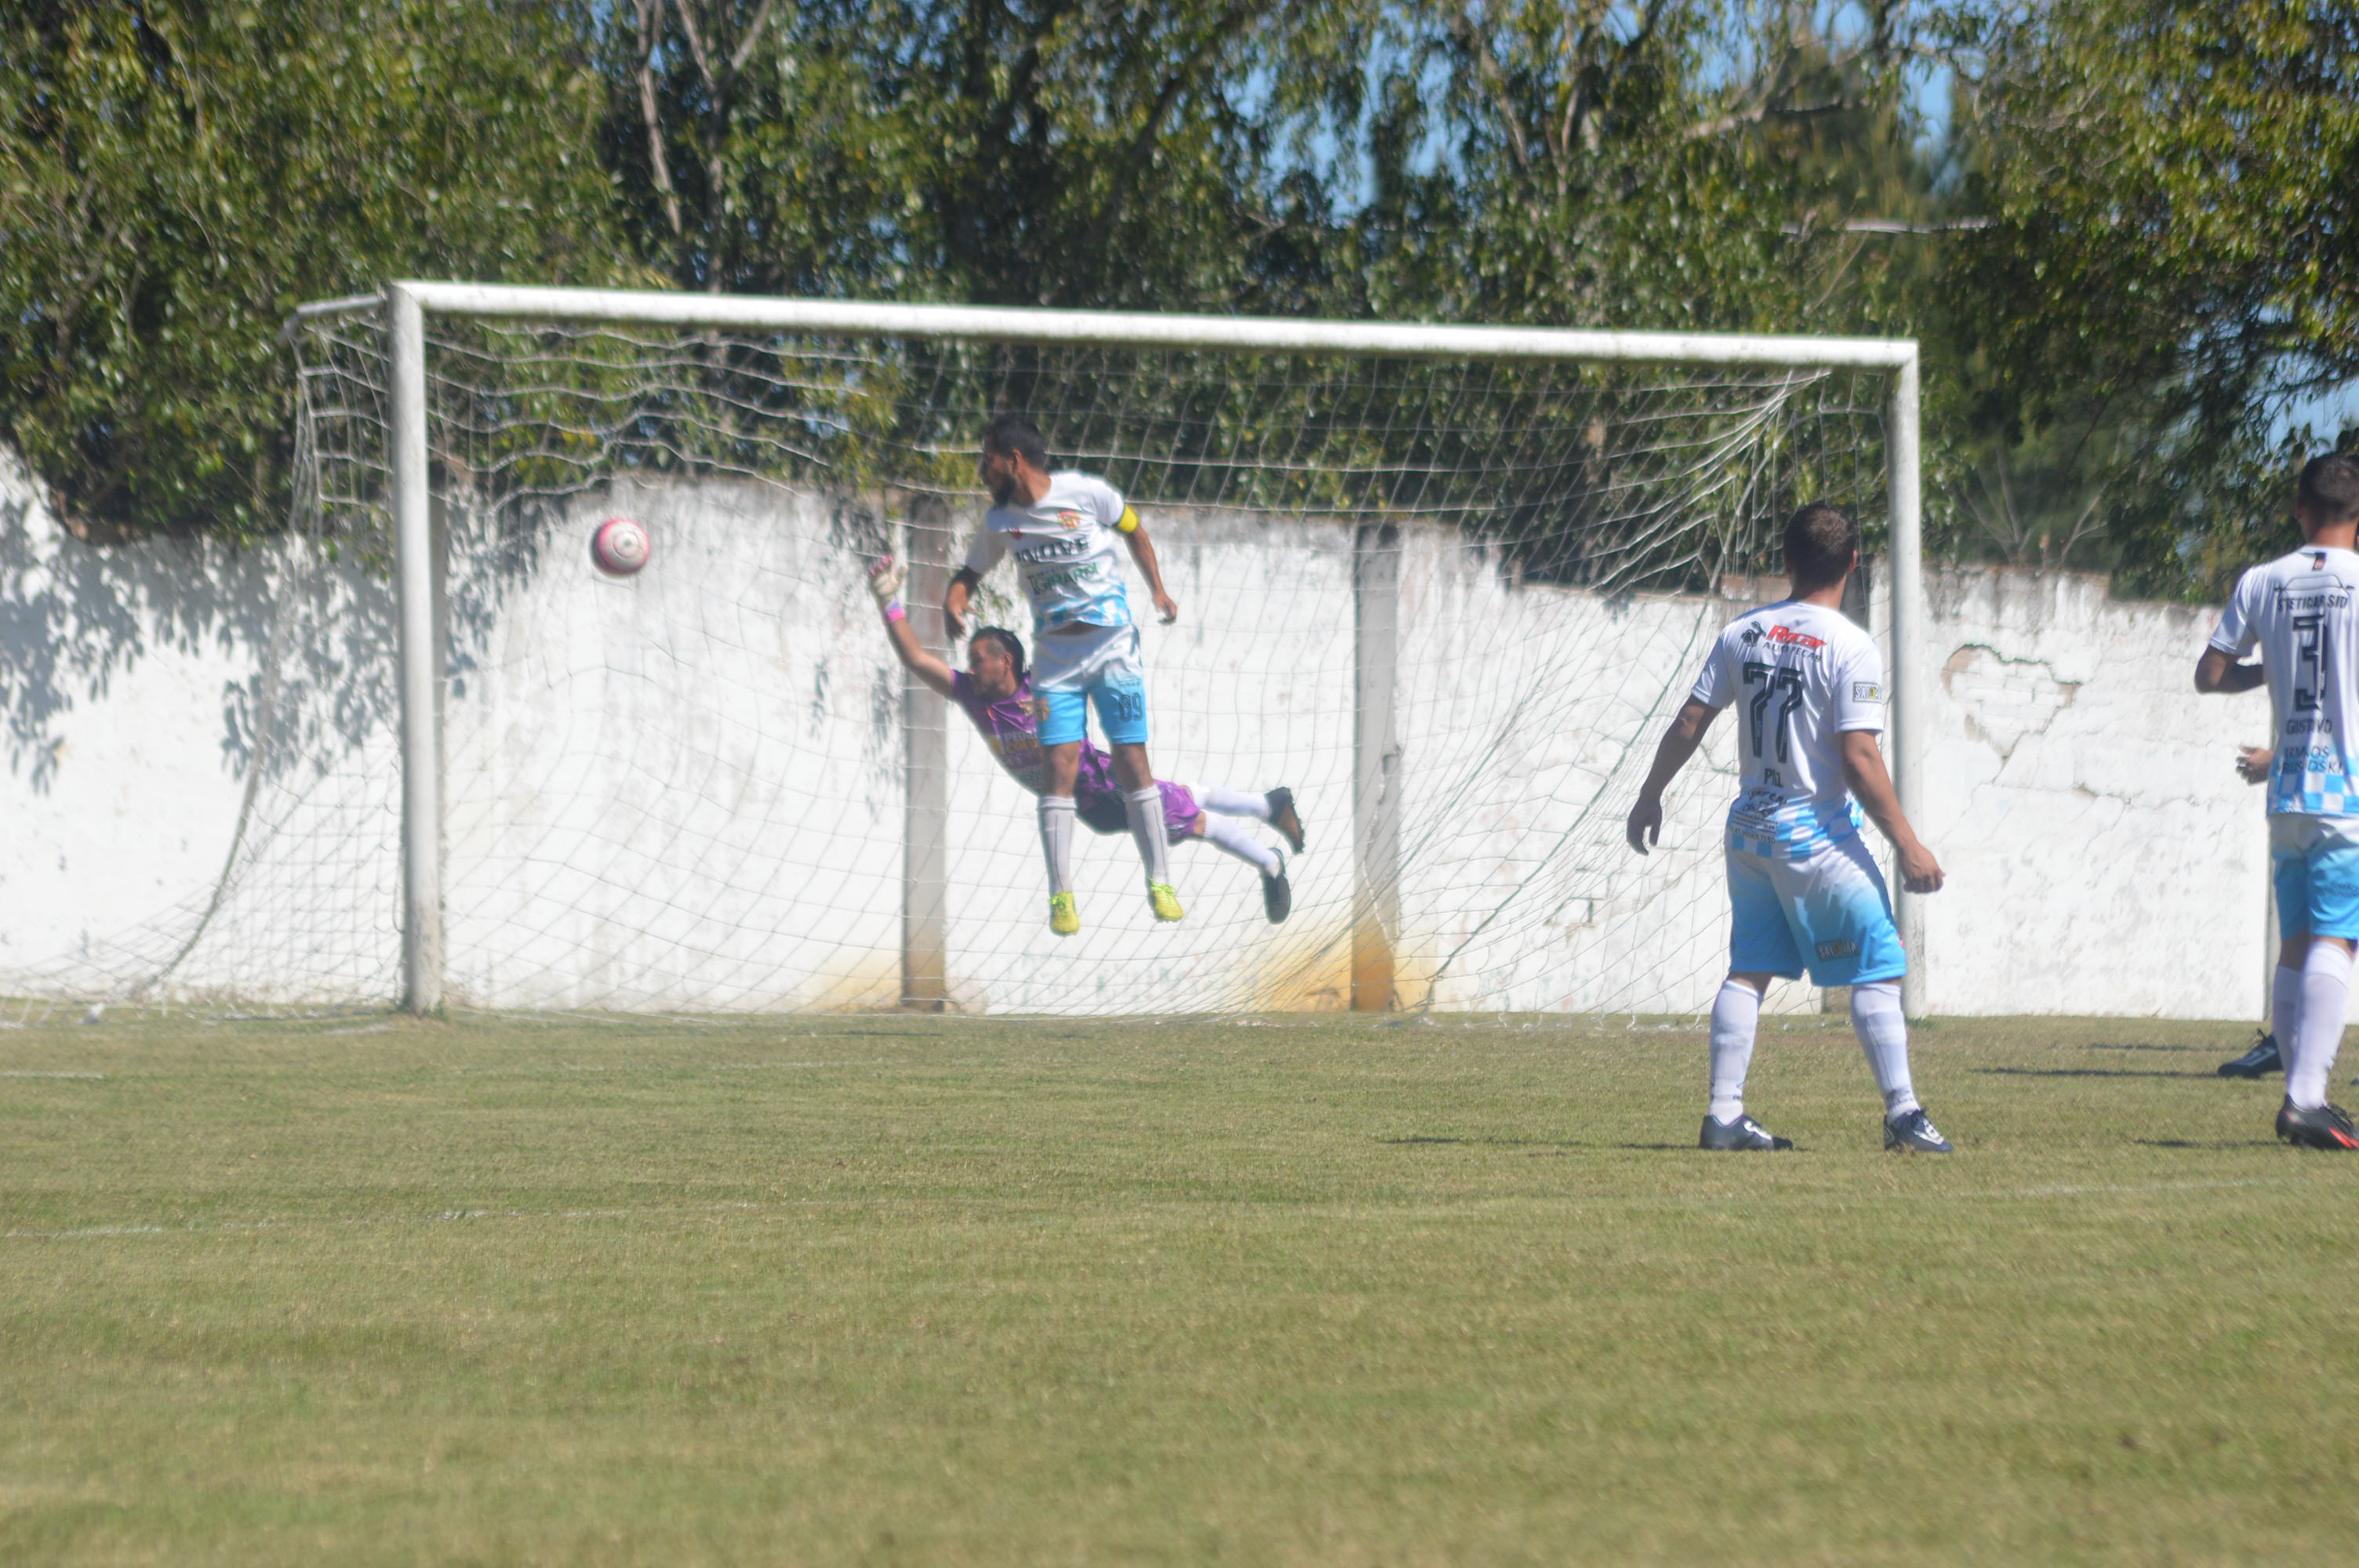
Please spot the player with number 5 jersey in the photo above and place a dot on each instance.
(1804, 894)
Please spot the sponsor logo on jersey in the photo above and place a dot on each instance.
(1062, 576)
(1838, 949)
(1071, 519)
(1787, 635)
(1866, 691)
(1053, 548)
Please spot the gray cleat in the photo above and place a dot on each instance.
(1912, 1130)
(1742, 1133)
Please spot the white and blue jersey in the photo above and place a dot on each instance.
(1799, 675)
(1067, 552)
(2298, 609)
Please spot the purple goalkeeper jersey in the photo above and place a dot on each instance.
(1011, 728)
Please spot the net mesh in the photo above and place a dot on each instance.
(1448, 604)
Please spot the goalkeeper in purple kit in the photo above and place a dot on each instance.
(995, 693)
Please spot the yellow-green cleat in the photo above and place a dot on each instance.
(1063, 918)
(1165, 899)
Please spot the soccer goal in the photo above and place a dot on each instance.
(1447, 584)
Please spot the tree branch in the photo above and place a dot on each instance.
(650, 15)
(1142, 143)
(1720, 124)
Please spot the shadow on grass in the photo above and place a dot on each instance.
(2205, 1143)
(1692, 1149)
(2084, 1072)
(1539, 1145)
(2198, 1050)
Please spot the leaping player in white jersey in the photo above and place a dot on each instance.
(2299, 611)
(1806, 892)
(1062, 529)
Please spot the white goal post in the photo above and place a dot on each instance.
(406, 307)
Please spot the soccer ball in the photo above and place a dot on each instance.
(620, 547)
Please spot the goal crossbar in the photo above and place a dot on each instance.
(1105, 329)
(404, 305)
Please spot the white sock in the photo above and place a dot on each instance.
(1231, 802)
(1057, 840)
(2317, 1026)
(1145, 809)
(1736, 1017)
(2285, 1007)
(1883, 1031)
(1240, 843)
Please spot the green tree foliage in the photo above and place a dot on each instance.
(2134, 249)
(1039, 152)
(175, 176)
(1584, 164)
(2172, 264)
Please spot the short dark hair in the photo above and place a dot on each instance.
(1821, 539)
(1012, 434)
(1007, 642)
(2329, 489)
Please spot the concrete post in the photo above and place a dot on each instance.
(925, 761)
(1376, 757)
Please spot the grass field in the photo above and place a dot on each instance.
(885, 1290)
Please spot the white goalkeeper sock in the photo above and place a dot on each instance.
(1057, 840)
(1145, 809)
(1231, 802)
(1736, 1017)
(1240, 843)
(2318, 1025)
(2285, 1007)
(1883, 1030)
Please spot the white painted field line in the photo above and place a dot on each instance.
(91, 1077)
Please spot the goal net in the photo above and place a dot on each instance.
(1449, 599)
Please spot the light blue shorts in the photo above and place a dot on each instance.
(2315, 869)
(1829, 912)
(1085, 666)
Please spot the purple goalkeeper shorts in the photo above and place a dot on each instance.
(1102, 809)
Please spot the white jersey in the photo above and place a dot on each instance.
(1800, 674)
(1065, 546)
(2297, 610)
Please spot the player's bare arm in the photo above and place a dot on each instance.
(2253, 763)
(2218, 671)
(955, 600)
(1142, 550)
(1870, 785)
(1645, 825)
(885, 580)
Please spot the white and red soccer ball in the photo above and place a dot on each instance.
(621, 546)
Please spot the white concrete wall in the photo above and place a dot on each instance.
(683, 790)
(2083, 803)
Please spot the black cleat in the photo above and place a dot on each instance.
(2259, 1061)
(2328, 1126)
(1277, 896)
(1742, 1133)
(1282, 818)
(1913, 1130)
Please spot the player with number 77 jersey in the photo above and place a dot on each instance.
(1806, 686)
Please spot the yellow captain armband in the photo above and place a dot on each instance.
(1128, 521)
